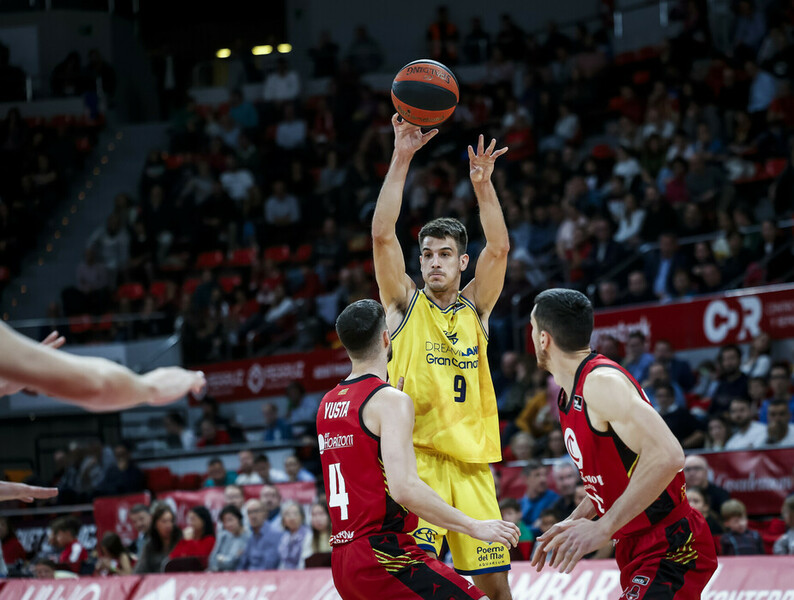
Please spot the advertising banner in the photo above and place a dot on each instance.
(113, 514)
(85, 588)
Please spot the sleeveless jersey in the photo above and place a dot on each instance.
(442, 354)
(355, 482)
(605, 462)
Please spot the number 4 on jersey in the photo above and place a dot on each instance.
(337, 497)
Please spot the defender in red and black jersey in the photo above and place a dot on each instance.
(630, 464)
(365, 434)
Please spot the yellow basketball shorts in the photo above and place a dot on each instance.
(469, 487)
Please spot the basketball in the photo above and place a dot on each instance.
(425, 93)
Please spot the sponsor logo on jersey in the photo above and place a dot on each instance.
(342, 537)
(491, 553)
(343, 391)
(577, 403)
(425, 534)
(336, 410)
(446, 349)
(452, 337)
(334, 442)
(593, 479)
(458, 306)
(572, 446)
(641, 579)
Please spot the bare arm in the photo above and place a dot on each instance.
(54, 341)
(24, 492)
(93, 383)
(393, 283)
(392, 415)
(489, 276)
(613, 401)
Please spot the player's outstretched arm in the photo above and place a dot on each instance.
(55, 341)
(613, 401)
(489, 276)
(93, 383)
(27, 493)
(394, 413)
(393, 283)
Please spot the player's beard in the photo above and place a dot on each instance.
(543, 359)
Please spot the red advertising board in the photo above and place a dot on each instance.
(318, 371)
(113, 514)
(85, 588)
(736, 578)
(303, 492)
(734, 317)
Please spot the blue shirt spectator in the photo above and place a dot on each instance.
(276, 428)
(538, 497)
(763, 88)
(637, 360)
(243, 112)
(261, 551)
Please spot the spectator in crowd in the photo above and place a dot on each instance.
(261, 551)
(566, 478)
(511, 512)
(142, 522)
(364, 54)
(90, 293)
(124, 477)
(295, 471)
(276, 428)
(718, 432)
(242, 111)
(442, 38)
(538, 496)
(758, 361)
(217, 475)
(282, 85)
(520, 447)
(210, 410)
(780, 384)
(245, 471)
(638, 360)
(325, 56)
(290, 131)
(211, 435)
(281, 209)
(679, 370)
(738, 540)
(234, 495)
(178, 434)
(301, 409)
(111, 243)
(198, 538)
(779, 429)
(696, 472)
(270, 498)
(546, 521)
(268, 474)
(113, 559)
(231, 541)
(785, 544)
(67, 77)
(13, 551)
(45, 568)
(747, 432)
(697, 500)
(100, 73)
(732, 383)
(662, 263)
(638, 292)
(66, 530)
(236, 180)
(321, 528)
(295, 545)
(685, 427)
(658, 375)
(476, 43)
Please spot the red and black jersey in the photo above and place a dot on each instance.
(605, 462)
(355, 482)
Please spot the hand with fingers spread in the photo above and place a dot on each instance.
(54, 341)
(569, 541)
(481, 164)
(409, 138)
(501, 532)
(24, 492)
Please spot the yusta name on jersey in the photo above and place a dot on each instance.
(336, 410)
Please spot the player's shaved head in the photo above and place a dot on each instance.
(567, 315)
(359, 327)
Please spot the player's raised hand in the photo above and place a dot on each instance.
(409, 138)
(24, 492)
(481, 163)
(171, 383)
(502, 532)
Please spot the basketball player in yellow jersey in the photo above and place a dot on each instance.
(439, 340)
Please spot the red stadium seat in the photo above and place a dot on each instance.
(131, 291)
(190, 285)
(190, 481)
(105, 323)
(303, 254)
(242, 257)
(229, 282)
(277, 254)
(158, 289)
(80, 324)
(775, 166)
(159, 479)
(209, 260)
(5, 274)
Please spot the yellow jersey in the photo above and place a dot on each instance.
(442, 354)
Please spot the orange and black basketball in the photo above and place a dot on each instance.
(425, 93)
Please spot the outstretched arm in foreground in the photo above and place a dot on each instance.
(93, 383)
(24, 492)
(393, 413)
(393, 283)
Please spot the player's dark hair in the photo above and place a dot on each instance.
(359, 326)
(446, 227)
(567, 315)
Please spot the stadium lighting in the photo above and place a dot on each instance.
(262, 50)
(284, 48)
(223, 53)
